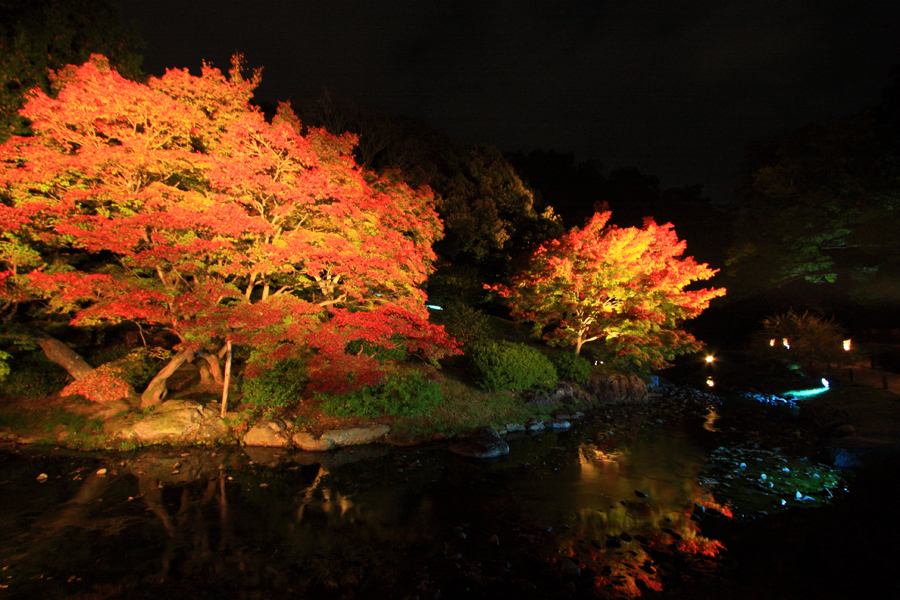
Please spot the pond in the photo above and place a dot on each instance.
(612, 508)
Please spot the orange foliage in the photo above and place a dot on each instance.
(624, 286)
(175, 203)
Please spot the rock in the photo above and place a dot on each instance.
(484, 442)
(511, 427)
(356, 435)
(277, 425)
(568, 416)
(640, 494)
(172, 421)
(844, 430)
(541, 401)
(266, 433)
(616, 388)
(534, 424)
(557, 424)
(569, 568)
(306, 441)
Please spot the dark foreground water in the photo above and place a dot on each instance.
(592, 512)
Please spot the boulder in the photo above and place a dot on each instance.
(306, 441)
(484, 442)
(356, 435)
(564, 393)
(616, 388)
(266, 433)
(174, 421)
(534, 424)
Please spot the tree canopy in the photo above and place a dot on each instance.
(38, 37)
(625, 286)
(819, 204)
(175, 204)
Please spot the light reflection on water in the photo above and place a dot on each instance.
(355, 524)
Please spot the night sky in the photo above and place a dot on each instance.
(676, 88)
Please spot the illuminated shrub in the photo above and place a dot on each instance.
(4, 367)
(500, 365)
(277, 386)
(403, 393)
(465, 324)
(571, 366)
(33, 376)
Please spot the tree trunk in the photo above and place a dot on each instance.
(214, 369)
(227, 379)
(156, 390)
(62, 355)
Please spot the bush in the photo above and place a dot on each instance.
(571, 366)
(402, 393)
(467, 325)
(140, 365)
(4, 367)
(277, 386)
(807, 340)
(34, 376)
(500, 365)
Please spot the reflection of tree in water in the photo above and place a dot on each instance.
(626, 544)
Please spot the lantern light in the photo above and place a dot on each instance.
(847, 345)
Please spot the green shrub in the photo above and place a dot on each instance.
(34, 376)
(140, 365)
(406, 393)
(4, 367)
(500, 365)
(571, 366)
(467, 325)
(277, 386)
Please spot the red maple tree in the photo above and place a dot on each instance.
(176, 204)
(622, 285)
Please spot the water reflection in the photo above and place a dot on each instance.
(577, 509)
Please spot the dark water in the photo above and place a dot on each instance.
(583, 513)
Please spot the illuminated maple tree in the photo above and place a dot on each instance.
(625, 286)
(176, 204)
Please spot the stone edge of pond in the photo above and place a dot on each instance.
(186, 423)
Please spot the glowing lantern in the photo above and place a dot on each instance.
(710, 382)
(785, 342)
(772, 342)
(847, 345)
(709, 358)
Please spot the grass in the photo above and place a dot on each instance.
(464, 408)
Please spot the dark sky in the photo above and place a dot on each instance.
(677, 88)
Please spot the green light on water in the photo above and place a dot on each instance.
(805, 393)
